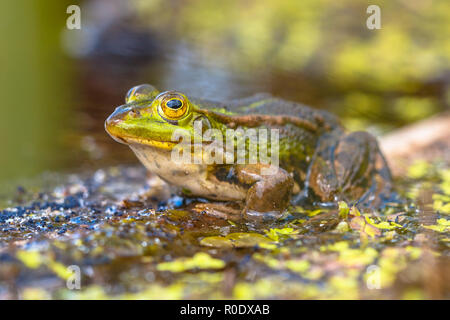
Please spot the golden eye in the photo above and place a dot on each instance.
(174, 107)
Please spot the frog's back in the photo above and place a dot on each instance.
(266, 104)
(299, 135)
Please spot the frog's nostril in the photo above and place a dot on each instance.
(134, 113)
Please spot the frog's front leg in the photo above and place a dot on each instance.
(269, 190)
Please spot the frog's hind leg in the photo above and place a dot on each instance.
(353, 170)
(362, 172)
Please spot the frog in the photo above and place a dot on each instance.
(320, 163)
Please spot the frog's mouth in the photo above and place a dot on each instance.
(167, 145)
(123, 137)
(128, 140)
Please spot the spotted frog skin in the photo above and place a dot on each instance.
(320, 163)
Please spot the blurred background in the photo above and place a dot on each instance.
(57, 86)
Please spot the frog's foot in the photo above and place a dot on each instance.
(269, 193)
(223, 210)
(355, 172)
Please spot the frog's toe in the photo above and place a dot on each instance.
(228, 211)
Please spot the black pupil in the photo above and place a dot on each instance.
(174, 104)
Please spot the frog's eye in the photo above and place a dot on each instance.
(174, 106)
(142, 92)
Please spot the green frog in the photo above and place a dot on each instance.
(317, 162)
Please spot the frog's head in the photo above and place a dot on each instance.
(151, 118)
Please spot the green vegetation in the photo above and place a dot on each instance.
(179, 253)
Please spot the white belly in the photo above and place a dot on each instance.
(193, 177)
